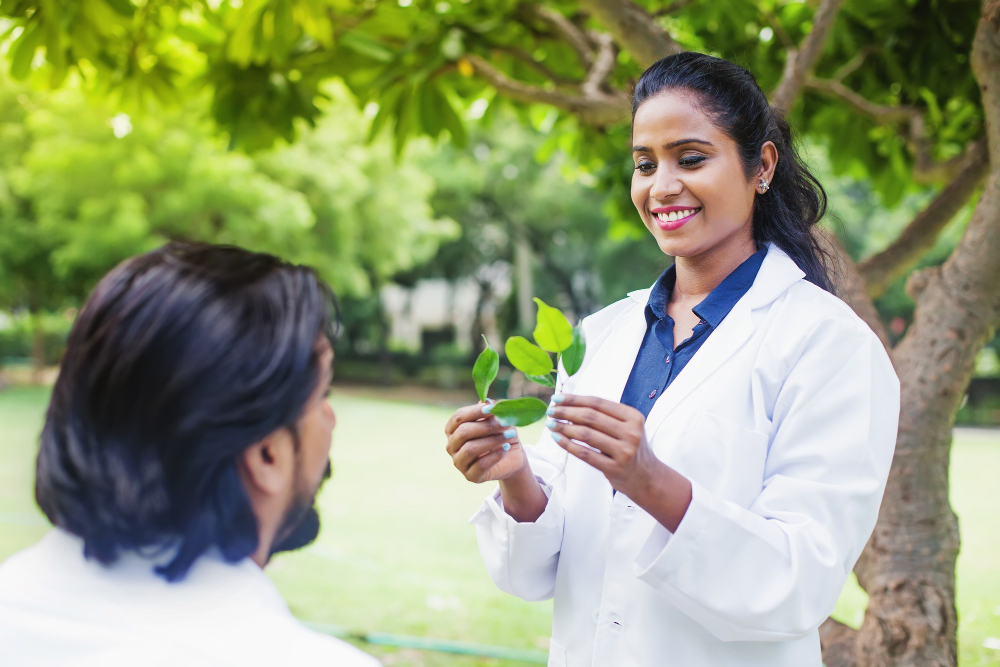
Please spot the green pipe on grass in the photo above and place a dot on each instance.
(431, 644)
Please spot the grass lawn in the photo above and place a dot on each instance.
(397, 556)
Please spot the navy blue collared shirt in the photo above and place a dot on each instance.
(658, 362)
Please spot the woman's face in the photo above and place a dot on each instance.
(689, 185)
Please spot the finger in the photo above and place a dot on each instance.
(476, 449)
(467, 414)
(608, 445)
(592, 458)
(610, 408)
(591, 417)
(472, 430)
(479, 471)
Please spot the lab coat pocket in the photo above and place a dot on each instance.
(557, 654)
(725, 458)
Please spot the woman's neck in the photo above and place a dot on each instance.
(698, 275)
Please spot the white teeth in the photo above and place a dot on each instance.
(674, 216)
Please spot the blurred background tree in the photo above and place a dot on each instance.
(900, 99)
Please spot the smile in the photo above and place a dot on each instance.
(671, 220)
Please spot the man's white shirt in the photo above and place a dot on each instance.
(59, 608)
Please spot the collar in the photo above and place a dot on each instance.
(777, 273)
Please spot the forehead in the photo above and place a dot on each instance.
(670, 116)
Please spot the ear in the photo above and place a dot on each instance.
(768, 163)
(268, 466)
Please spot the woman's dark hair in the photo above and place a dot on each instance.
(729, 94)
(180, 360)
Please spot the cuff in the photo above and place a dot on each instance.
(662, 557)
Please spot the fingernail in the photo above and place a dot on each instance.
(551, 423)
(510, 433)
(558, 398)
(487, 409)
(550, 411)
(503, 422)
(506, 446)
(556, 436)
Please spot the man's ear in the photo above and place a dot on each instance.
(268, 466)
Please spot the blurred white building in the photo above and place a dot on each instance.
(438, 310)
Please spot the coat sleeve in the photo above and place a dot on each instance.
(522, 557)
(774, 570)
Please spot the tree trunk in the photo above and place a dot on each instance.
(525, 284)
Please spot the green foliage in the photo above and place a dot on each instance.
(520, 411)
(553, 331)
(527, 357)
(572, 357)
(544, 380)
(82, 188)
(265, 61)
(485, 370)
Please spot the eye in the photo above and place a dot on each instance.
(691, 160)
(645, 166)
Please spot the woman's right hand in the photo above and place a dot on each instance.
(475, 443)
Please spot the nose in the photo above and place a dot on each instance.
(665, 186)
(331, 416)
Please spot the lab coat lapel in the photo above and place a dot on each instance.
(777, 273)
(612, 363)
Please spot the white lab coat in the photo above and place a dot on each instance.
(58, 609)
(784, 422)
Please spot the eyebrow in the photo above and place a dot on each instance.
(673, 144)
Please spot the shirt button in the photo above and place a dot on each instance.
(667, 360)
(652, 393)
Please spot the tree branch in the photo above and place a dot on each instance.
(596, 108)
(527, 59)
(672, 8)
(800, 61)
(633, 29)
(881, 269)
(604, 63)
(567, 30)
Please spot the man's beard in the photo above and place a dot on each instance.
(301, 524)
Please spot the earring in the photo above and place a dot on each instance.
(763, 185)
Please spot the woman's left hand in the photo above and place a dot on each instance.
(617, 432)
(615, 435)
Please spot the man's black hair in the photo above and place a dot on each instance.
(180, 360)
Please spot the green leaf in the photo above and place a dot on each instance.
(553, 331)
(520, 411)
(23, 50)
(452, 122)
(366, 46)
(527, 357)
(485, 370)
(544, 380)
(572, 357)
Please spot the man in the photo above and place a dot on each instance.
(186, 439)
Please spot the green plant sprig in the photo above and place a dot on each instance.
(553, 334)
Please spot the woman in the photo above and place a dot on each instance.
(710, 476)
